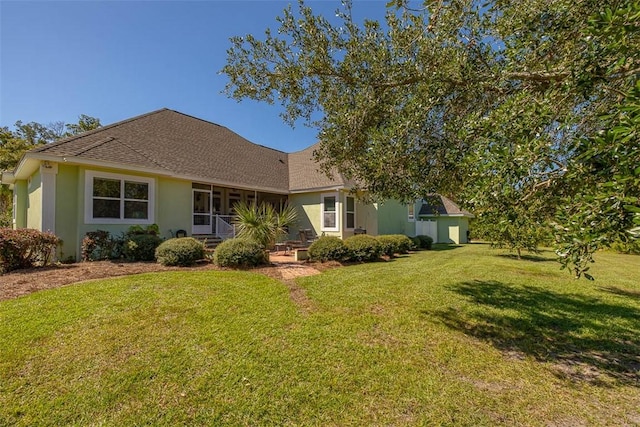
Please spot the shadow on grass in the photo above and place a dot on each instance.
(444, 247)
(584, 338)
(621, 292)
(532, 258)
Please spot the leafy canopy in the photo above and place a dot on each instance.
(500, 104)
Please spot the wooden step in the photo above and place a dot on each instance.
(210, 241)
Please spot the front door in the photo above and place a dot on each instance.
(201, 212)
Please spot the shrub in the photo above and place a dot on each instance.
(629, 247)
(25, 248)
(395, 244)
(423, 242)
(363, 248)
(240, 252)
(97, 245)
(140, 247)
(388, 245)
(182, 251)
(328, 248)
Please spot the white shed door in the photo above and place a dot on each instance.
(427, 228)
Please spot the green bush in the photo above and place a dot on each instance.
(140, 247)
(630, 247)
(388, 245)
(363, 248)
(25, 248)
(423, 242)
(328, 248)
(182, 251)
(97, 245)
(395, 244)
(239, 252)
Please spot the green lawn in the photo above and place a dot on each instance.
(461, 336)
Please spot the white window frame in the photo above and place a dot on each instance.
(88, 198)
(14, 207)
(336, 196)
(411, 212)
(347, 212)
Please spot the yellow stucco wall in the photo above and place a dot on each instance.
(34, 201)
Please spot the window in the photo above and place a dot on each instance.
(412, 212)
(118, 199)
(329, 208)
(350, 222)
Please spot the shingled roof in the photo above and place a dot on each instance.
(181, 145)
(304, 173)
(435, 204)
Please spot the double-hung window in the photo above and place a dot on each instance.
(118, 199)
(329, 208)
(411, 212)
(350, 213)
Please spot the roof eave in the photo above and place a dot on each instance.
(151, 171)
(317, 189)
(459, 215)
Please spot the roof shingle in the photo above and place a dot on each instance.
(182, 145)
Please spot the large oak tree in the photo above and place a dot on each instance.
(507, 105)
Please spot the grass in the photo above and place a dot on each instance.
(447, 337)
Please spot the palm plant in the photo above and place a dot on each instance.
(263, 223)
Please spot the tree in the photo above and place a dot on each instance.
(491, 102)
(263, 223)
(27, 136)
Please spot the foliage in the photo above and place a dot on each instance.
(608, 208)
(630, 247)
(392, 244)
(423, 242)
(97, 245)
(239, 253)
(25, 248)
(363, 248)
(496, 102)
(140, 247)
(182, 251)
(263, 223)
(24, 137)
(328, 248)
(137, 244)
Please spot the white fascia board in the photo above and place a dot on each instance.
(150, 171)
(318, 189)
(461, 215)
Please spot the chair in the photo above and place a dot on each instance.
(307, 237)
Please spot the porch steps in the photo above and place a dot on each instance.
(210, 241)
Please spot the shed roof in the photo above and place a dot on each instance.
(436, 204)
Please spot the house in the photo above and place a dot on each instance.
(184, 173)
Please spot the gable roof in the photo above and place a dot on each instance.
(305, 174)
(435, 204)
(181, 145)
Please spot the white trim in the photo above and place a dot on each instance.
(201, 229)
(336, 196)
(48, 174)
(411, 217)
(14, 208)
(88, 198)
(152, 171)
(346, 206)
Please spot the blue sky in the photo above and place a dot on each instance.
(115, 60)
